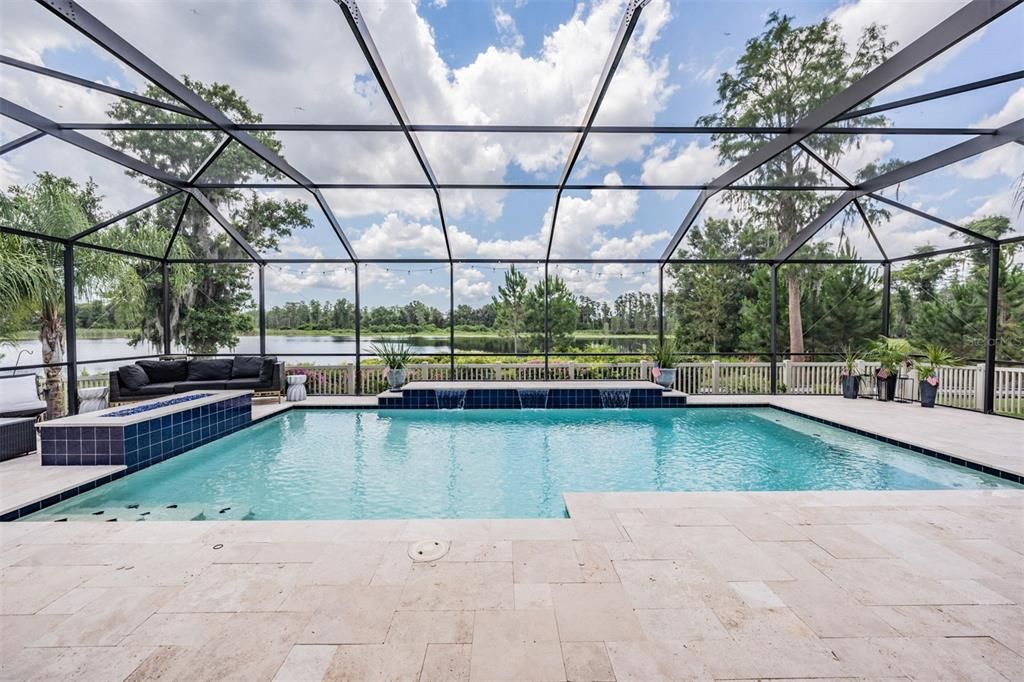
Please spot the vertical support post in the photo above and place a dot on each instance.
(263, 312)
(547, 332)
(991, 335)
(165, 306)
(359, 344)
(70, 327)
(774, 380)
(451, 317)
(886, 291)
(661, 303)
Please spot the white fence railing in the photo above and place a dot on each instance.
(958, 386)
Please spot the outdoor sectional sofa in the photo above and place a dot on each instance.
(153, 378)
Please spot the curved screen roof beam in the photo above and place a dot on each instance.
(99, 87)
(362, 34)
(629, 22)
(928, 97)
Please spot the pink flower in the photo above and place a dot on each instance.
(933, 380)
(883, 373)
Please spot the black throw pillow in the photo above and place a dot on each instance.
(132, 377)
(217, 369)
(267, 370)
(246, 367)
(165, 371)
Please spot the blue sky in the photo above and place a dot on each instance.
(526, 62)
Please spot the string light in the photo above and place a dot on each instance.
(537, 268)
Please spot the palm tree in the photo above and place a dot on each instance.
(20, 281)
(32, 283)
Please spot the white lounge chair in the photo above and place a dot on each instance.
(19, 397)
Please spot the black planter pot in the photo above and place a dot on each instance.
(886, 387)
(851, 386)
(928, 393)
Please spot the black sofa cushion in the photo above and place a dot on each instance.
(267, 370)
(165, 371)
(150, 390)
(246, 367)
(187, 386)
(216, 369)
(132, 377)
(242, 384)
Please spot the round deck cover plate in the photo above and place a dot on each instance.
(428, 550)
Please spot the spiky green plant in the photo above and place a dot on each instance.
(666, 354)
(395, 355)
(934, 358)
(851, 357)
(891, 354)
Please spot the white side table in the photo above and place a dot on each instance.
(92, 399)
(296, 387)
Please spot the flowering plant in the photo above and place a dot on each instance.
(312, 375)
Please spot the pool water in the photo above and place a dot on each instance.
(346, 464)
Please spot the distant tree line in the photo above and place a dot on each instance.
(517, 310)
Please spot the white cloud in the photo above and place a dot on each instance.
(423, 290)
(510, 36)
(297, 278)
(604, 282)
(634, 247)
(472, 287)
(1000, 204)
(904, 232)
(905, 22)
(580, 219)
(1013, 110)
(704, 73)
(856, 157)
(395, 237)
(693, 164)
(1007, 160)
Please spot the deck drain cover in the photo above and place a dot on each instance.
(428, 550)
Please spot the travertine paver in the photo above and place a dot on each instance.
(924, 585)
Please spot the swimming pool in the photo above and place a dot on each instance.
(347, 464)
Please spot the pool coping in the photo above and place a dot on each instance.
(46, 500)
(103, 417)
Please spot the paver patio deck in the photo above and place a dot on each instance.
(635, 586)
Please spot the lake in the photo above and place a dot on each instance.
(301, 349)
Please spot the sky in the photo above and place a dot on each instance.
(521, 62)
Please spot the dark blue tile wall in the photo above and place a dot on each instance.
(145, 443)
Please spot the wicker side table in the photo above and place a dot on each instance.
(17, 437)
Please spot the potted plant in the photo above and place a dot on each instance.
(892, 355)
(665, 358)
(928, 372)
(849, 377)
(395, 356)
